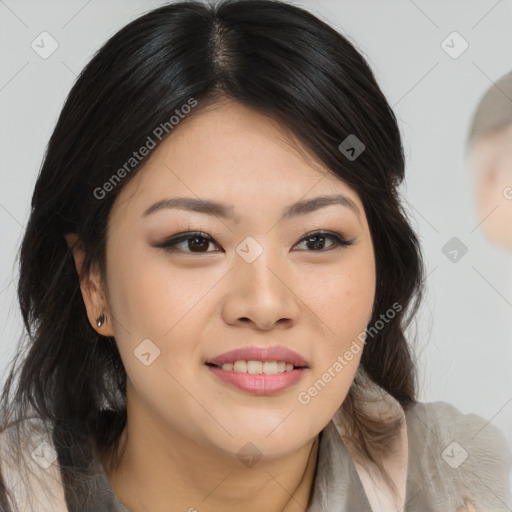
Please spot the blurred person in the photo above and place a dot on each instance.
(489, 154)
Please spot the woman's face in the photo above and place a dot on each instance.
(255, 278)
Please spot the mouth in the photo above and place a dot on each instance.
(257, 367)
(254, 359)
(262, 378)
(259, 370)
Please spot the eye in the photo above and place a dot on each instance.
(317, 239)
(190, 241)
(198, 242)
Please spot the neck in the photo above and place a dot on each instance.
(157, 470)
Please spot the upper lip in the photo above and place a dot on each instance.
(278, 353)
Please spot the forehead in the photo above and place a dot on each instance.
(236, 154)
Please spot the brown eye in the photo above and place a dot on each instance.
(317, 241)
(194, 242)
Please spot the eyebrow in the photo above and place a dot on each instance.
(227, 212)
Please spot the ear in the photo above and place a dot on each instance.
(92, 290)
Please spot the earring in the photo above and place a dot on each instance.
(100, 320)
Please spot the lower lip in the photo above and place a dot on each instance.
(259, 384)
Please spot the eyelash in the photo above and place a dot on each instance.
(169, 244)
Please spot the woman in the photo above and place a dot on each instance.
(216, 278)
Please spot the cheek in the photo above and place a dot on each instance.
(342, 295)
(169, 304)
(151, 295)
(153, 304)
(344, 305)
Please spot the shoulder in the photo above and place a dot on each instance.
(441, 421)
(463, 454)
(29, 467)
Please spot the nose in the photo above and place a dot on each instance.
(261, 294)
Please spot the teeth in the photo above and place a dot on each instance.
(240, 366)
(254, 367)
(258, 367)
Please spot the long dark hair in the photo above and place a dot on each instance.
(266, 54)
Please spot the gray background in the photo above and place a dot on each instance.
(464, 330)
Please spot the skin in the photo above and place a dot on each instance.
(185, 426)
(490, 160)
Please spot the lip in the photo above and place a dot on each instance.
(277, 353)
(259, 384)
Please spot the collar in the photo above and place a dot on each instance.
(346, 479)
